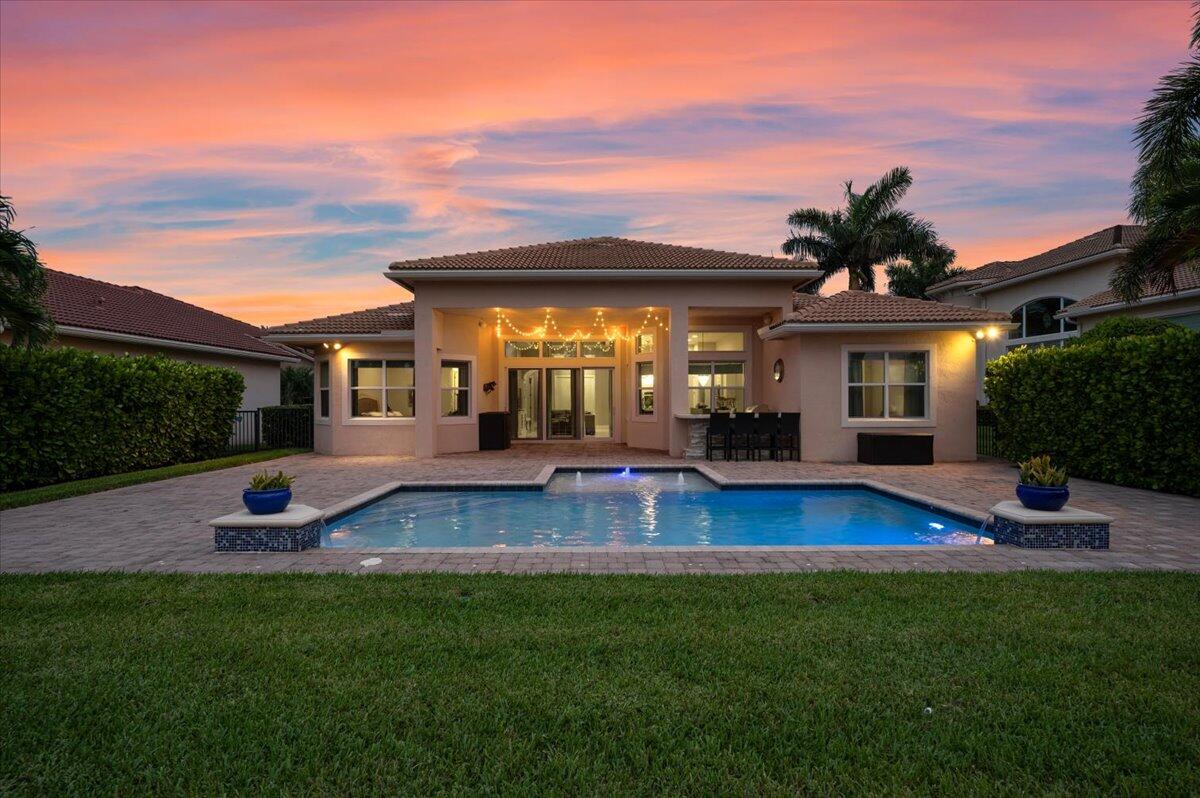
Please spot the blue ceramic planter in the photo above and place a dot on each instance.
(1037, 497)
(265, 502)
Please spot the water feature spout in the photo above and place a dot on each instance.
(625, 473)
(578, 478)
(679, 478)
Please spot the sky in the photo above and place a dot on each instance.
(268, 161)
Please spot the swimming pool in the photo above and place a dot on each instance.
(644, 509)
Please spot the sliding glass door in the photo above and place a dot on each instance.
(561, 391)
(568, 404)
(597, 403)
(525, 403)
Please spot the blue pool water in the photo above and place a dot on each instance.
(643, 509)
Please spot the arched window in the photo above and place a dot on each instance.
(1036, 325)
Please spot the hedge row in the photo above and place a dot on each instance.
(69, 414)
(1120, 410)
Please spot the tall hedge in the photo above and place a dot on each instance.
(1125, 411)
(68, 414)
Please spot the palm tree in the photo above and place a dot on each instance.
(870, 231)
(912, 279)
(1166, 187)
(22, 285)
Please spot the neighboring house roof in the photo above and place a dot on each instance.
(603, 253)
(1187, 283)
(1117, 238)
(85, 307)
(867, 309)
(372, 321)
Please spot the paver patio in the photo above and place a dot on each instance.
(163, 526)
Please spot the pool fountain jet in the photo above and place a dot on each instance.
(625, 473)
(578, 477)
(679, 478)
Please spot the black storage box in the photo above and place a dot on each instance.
(493, 431)
(894, 448)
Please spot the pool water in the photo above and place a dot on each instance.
(643, 509)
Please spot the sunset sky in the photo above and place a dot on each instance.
(268, 161)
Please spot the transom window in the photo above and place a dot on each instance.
(456, 388)
(1036, 318)
(323, 388)
(887, 384)
(643, 343)
(560, 349)
(716, 341)
(716, 387)
(382, 388)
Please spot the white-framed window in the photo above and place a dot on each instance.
(716, 386)
(643, 343)
(456, 389)
(522, 348)
(382, 389)
(645, 387)
(323, 370)
(887, 385)
(1036, 323)
(560, 348)
(716, 341)
(598, 349)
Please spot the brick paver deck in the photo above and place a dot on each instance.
(163, 526)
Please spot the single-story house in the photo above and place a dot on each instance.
(608, 339)
(130, 320)
(1054, 295)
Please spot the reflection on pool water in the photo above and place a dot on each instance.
(644, 509)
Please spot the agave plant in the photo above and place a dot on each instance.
(267, 481)
(1041, 472)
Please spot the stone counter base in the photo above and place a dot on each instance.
(1069, 528)
(232, 538)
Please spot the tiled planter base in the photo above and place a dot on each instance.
(295, 529)
(1069, 528)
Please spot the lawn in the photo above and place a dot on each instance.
(825, 683)
(80, 487)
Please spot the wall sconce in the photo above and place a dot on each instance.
(337, 346)
(488, 387)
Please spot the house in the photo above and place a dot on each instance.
(608, 339)
(1052, 296)
(130, 320)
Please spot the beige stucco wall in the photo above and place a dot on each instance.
(814, 383)
(343, 435)
(1185, 311)
(261, 376)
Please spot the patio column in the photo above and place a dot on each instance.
(425, 374)
(677, 370)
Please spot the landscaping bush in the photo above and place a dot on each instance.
(1121, 410)
(69, 414)
(296, 385)
(287, 426)
(1125, 327)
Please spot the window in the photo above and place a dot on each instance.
(887, 384)
(323, 388)
(559, 349)
(522, 349)
(716, 387)
(380, 388)
(716, 341)
(598, 349)
(1036, 318)
(456, 388)
(645, 388)
(643, 343)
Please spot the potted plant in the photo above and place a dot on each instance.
(1042, 486)
(268, 493)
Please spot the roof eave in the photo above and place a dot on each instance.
(788, 329)
(169, 343)
(936, 289)
(322, 337)
(1109, 307)
(405, 277)
(1062, 267)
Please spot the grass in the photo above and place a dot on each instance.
(81, 487)
(777, 684)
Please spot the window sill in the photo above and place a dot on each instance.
(645, 419)
(452, 421)
(324, 422)
(887, 423)
(376, 422)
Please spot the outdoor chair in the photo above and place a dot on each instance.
(743, 436)
(718, 434)
(788, 437)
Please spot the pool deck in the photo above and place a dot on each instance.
(163, 526)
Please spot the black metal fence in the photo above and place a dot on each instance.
(985, 440)
(286, 427)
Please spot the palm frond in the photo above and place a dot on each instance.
(1166, 135)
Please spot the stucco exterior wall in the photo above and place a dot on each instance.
(261, 376)
(340, 433)
(814, 382)
(1185, 311)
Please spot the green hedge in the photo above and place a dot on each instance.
(69, 414)
(1125, 411)
(287, 426)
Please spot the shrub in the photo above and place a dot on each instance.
(1037, 471)
(70, 414)
(1124, 327)
(287, 426)
(296, 385)
(1123, 410)
(265, 480)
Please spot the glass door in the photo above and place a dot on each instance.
(597, 403)
(525, 403)
(561, 415)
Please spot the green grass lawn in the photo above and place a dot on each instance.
(80, 487)
(830, 683)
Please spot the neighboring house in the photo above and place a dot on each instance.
(635, 342)
(1051, 296)
(129, 320)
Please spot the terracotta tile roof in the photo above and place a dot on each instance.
(360, 322)
(75, 301)
(605, 252)
(1187, 278)
(1121, 236)
(864, 307)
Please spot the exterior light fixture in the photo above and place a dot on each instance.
(337, 346)
(979, 334)
(993, 333)
(325, 345)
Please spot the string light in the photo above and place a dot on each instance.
(599, 328)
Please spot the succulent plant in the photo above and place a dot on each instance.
(1041, 472)
(267, 481)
